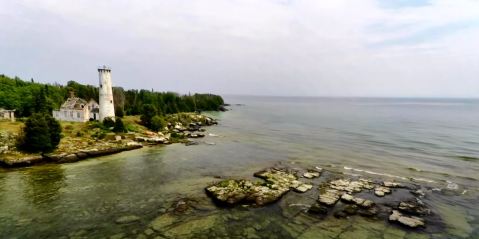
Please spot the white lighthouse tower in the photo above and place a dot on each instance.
(107, 109)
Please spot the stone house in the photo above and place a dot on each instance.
(7, 114)
(77, 110)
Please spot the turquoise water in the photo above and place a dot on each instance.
(433, 142)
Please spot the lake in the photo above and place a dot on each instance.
(432, 142)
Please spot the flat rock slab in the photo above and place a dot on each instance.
(410, 221)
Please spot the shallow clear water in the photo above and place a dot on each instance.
(435, 142)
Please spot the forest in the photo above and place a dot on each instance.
(28, 97)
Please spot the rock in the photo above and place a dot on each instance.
(329, 197)
(232, 192)
(148, 232)
(347, 198)
(127, 219)
(117, 137)
(351, 209)
(311, 175)
(414, 207)
(303, 188)
(358, 201)
(133, 144)
(190, 143)
(181, 206)
(163, 221)
(278, 182)
(369, 212)
(391, 184)
(412, 221)
(418, 193)
(318, 209)
(347, 185)
(367, 204)
(381, 191)
(69, 158)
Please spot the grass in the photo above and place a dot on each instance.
(11, 127)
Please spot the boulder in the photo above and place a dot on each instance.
(381, 191)
(232, 192)
(303, 188)
(414, 207)
(311, 174)
(412, 221)
(318, 209)
(329, 197)
(348, 186)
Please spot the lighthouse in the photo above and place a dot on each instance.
(107, 108)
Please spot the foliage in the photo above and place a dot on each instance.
(28, 97)
(119, 126)
(108, 122)
(149, 111)
(157, 123)
(41, 133)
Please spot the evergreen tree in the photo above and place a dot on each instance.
(149, 111)
(119, 126)
(41, 133)
(157, 123)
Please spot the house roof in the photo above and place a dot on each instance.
(74, 103)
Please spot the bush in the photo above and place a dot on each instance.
(41, 133)
(108, 122)
(157, 123)
(149, 111)
(119, 126)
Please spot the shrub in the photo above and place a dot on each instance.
(41, 133)
(149, 111)
(108, 122)
(157, 123)
(119, 126)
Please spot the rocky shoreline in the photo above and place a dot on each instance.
(117, 143)
(337, 196)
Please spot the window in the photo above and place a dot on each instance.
(78, 114)
(71, 114)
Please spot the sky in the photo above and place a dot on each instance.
(360, 48)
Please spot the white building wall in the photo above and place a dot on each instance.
(107, 108)
(71, 115)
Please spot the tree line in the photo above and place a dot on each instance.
(29, 97)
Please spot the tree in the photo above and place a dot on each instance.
(41, 133)
(55, 130)
(149, 111)
(108, 122)
(157, 123)
(119, 126)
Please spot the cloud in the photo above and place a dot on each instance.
(273, 47)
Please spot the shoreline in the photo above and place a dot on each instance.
(117, 143)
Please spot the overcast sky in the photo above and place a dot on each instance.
(409, 48)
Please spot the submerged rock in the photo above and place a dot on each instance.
(318, 209)
(127, 219)
(412, 221)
